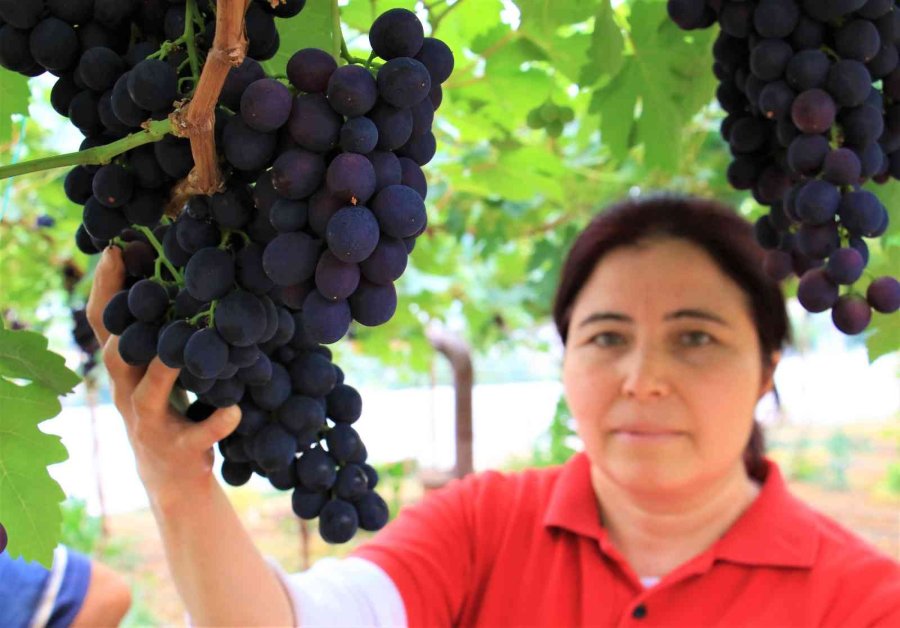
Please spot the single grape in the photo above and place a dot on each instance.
(351, 90)
(396, 33)
(816, 292)
(309, 69)
(372, 510)
(883, 294)
(813, 111)
(851, 314)
(209, 274)
(325, 321)
(266, 105)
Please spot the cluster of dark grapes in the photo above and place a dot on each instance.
(812, 93)
(323, 199)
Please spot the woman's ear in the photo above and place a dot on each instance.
(768, 380)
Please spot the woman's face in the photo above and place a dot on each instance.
(662, 368)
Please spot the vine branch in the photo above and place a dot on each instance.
(196, 120)
(154, 131)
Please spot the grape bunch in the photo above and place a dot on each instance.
(322, 201)
(551, 117)
(811, 89)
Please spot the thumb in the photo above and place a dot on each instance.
(211, 430)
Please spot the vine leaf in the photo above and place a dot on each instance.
(14, 88)
(29, 497)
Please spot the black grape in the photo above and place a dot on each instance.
(291, 258)
(274, 392)
(100, 68)
(395, 125)
(209, 274)
(102, 222)
(351, 176)
(148, 300)
(309, 70)
(775, 100)
(851, 314)
(246, 148)
(343, 442)
(307, 504)
(257, 373)
(400, 211)
(193, 234)
(78, 185)
(818, 241)
(842, 167)
(316, 469)
(261, 32)
(297, 173)
(807, 153)
(351, 91)
(849, 82)
(351, 483)
(174, 156)
(778, 265)
(274, 447)
(816, 292)
(231, 209)
(139, 258)
(113, 185)
(862, 125)
(813, 111)
(322, 206)
(250, 273)
(421, 149)
(776, 18)
(769, 58)
(172, 340)
(206, 353)
(124, 107)
(266, 105)
(240, 318)
(359, 135)
(313, 124)
(22, 15)
(423, 118)
(312, 374)
(83, 113)
(116, 315)
(396, 33)
(236, 473)
(883, 294)
(352, 233)
(287, 215)
(807, 69)
(285, 478)
(112, 13)
(845, 266)
(437, 57)
(54, 44)
(388, 170)
(301, 415)
(325, 321)
(857, 39)
(412, 176)
(137, 345)
(152, 84)
(237, 81)
(173, 252)
(373, 304)
(404, 82)
(145, 169)
(63, 90)
(386, 263)
(336, 280)
(338, 521)
(861, 212)
(373, 511)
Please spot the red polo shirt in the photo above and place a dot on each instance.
(528, 549)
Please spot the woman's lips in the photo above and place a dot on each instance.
(645, 436)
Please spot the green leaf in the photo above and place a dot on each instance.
(545, 16)
(604, 57)
(886, 337)
(360, 14)
(311, 28)
(24, 355)
(14, 96)
(29, 497)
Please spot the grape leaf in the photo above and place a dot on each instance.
(24, 355)
(607, 44)
(360, 14)
(545, 16)
(312, 28)
(15, 94)
(29, 497)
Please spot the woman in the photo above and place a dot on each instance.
(670, 516)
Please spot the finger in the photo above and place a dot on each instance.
(124, 377)
(203, 435)
(109, 277)
(151, 396)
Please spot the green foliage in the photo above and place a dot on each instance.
(553, 447)
(14, 88)
(315, 29)
(29, 497)
(80, 531)
(892, 478)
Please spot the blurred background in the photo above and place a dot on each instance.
(534, 138)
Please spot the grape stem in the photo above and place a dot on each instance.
(209, 314)
(191, 14)
(160, 252)
(154, 130)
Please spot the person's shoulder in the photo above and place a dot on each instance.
(841, 547)
(531, 483)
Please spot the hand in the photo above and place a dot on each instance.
(173, 455)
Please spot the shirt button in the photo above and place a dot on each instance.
(639, 612)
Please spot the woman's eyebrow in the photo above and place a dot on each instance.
(682, 313)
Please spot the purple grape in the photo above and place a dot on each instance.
(851, 314)
(816, 292)
(845, 266)
(883, 294)
(813, 111)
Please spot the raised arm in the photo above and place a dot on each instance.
(220, 574)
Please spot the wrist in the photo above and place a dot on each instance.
(173, 499)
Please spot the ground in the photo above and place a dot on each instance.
(839, 472)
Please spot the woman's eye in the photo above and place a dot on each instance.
(603, 339)
(698, 338)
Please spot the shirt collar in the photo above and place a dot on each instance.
(776, 529)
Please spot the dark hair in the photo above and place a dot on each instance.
(720, 231)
